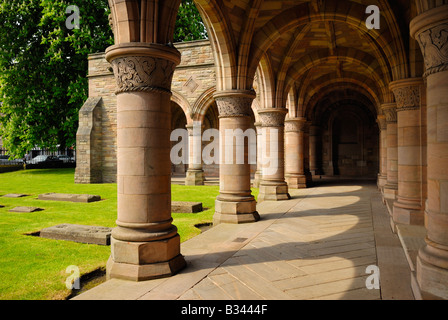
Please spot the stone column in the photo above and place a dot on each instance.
(314, 150)
(408, 209)
(391, 187)
(294, 153)
(235, 203)
(273, 185)
(430, 29)
(258, 173)
(382, 175)
(195, 173)
(306, 153)
(145, 244)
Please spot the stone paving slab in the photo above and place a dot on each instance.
(69, 197)
(25, 209)
(186, 207)
(78, 233)
(15, 195)
(315, 246)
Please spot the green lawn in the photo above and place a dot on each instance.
(35, 268)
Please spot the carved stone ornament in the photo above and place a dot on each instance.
(407, 98)
(434, 45)
(272, 117)
(390, 111)
(295, 125)
(143, 74)
(382, 124)
(234, 105)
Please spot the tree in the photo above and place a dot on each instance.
(43, 69)
(43, 66)
(189, 25)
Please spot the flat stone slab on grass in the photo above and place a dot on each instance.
(78, 233)
(69, 197)
(186, 207)
(15, 195)
(25, 209)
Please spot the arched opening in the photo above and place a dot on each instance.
(178, 121)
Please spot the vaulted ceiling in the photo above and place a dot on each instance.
(304, 50)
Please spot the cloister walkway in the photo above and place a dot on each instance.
(315, 246)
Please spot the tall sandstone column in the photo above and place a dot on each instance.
(195, 173)
(145, 244)
(382, 176)
(258, 174)
(294, 153)
(273, 185)
(408, 208)
(235, 202)
(430, 29)
(391, 187)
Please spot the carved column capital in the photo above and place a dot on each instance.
(234, 103)
(430, 29)
(143, 67)
(295, 125)
(390, 111)
(382, 123)
(272, 117)
(407, 93)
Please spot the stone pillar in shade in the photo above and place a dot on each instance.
(235, 202)
(145, 244)
(314, 149)
(273, 185)
(391, 187)
(258, 173)
(408, 208)
(294, 153)
(306, 153)
(195, 173)
(382, 175)
(430, 29)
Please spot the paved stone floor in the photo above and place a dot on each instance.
(315, 246)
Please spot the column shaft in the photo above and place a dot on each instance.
(382, 176)
(145, 243)
(430, 29)
(294, 153)
(273, 185)
(235, 203)
(391, 188)
(408, 208)
(195, 173)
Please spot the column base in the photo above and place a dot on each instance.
(432, 280)
(381, 182)
(273, 192)
(390, 191)
(140, 261)
(296, 182)
(257, 179)
(408, 213)
(235, 212)
(194, 178)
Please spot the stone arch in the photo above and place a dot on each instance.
(183, 103)
(202, 103)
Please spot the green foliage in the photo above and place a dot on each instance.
(189, 25)
(43, 68)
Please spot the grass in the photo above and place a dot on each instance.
(34, 268)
